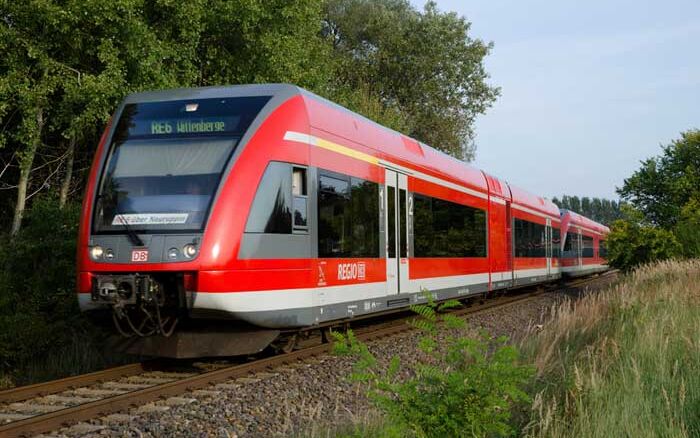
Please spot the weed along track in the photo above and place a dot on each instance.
(52, 405)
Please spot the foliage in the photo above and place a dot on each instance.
(42, 334)
(600, 210)
(67, 63)
(465, 388)
(687, 230)
(624, 361)
(37, 298)
(666, 183)
(72, 61)
(423, 65)
(631, 244)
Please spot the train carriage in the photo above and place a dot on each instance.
(269, 205)
(583, 251)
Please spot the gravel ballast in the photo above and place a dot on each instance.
(293, 400)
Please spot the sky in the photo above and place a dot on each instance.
(588, 89)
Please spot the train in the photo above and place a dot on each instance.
(218, 219)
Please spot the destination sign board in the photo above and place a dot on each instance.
(195, 125)
(214, 116)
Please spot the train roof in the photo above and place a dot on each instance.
(572, 218)
(329, 117)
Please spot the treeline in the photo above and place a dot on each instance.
(600, 210)
(662, 219)
(66, 65)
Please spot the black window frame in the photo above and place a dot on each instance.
(121, 133)
(370, 246)
(253, 228)
(571, 245)
(556, 243)
(587, 252)
(304, 195)
(526, 244)
(429, 242)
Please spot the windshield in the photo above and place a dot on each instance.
(166, 161)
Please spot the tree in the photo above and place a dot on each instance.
(631, 244)
(67, 64)
(687, 230)
(666, 183)
(600, 210)
(423, 65)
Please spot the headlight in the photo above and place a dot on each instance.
(189, 250)
(173, 253)
(96, 252)
(109, 254)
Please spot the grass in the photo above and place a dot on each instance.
(368, 424)
(622, 362)
(83, 353)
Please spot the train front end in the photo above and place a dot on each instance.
(156, 178)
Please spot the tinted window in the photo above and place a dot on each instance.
(166, 160)
(571, 246)
(556, 242)
(364, 196)
(348, 217)
(403, 244)
(603, 249)
(529, 239)
(300, 212)
(446, 229)
(272, 207)
(391, 215)
(587, 249)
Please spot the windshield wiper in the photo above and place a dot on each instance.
(133, 237)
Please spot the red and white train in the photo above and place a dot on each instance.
(271, 206)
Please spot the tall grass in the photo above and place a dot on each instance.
(622, 362)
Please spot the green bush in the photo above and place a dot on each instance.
(42, 333)
(464, 387)
(631, 244)
(37, 283)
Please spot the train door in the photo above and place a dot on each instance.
(579, 247)
(548, 245)
(509, 243)
(396, 226)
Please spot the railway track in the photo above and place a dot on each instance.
(49, 406)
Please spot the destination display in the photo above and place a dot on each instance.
(189, 117)
(150, 219)
(195, 125)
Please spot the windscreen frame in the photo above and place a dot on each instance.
(116, 136)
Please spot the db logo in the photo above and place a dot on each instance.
(351, 271)
(139, 255)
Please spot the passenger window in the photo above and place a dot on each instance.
(348, 217)
(299, 183)
(571, 246)
(587, 250)
(529, 239)
(334, 223)
(446, 229)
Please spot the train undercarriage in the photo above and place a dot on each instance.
(151, 316)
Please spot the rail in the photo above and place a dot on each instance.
(124, 395)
